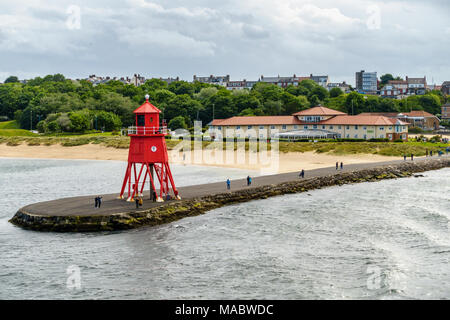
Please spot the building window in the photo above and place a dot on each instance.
(381, 128)
(356, 136)
(348, 127)
(365, 137)
(348, 136)
(364, 128)
(390, 128)
(315, 126)
(249, 127)
(219, 127)
(305, 127)
(295, 126)
(272, 127)
(331, 127)
(339, 127)
(323, 126)
(238, 127)
(283, 127)
(261, 127)
(356, 127)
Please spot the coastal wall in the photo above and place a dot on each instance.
(191, 207)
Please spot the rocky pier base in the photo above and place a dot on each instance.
(172, 211)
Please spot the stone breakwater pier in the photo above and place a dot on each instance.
(78, 214)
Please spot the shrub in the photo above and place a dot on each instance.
(415, 130)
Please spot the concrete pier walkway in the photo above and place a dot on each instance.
(84, 205)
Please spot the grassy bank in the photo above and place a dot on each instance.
(343, 148)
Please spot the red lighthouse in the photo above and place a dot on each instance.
(148, 148)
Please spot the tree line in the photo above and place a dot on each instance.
(57, 104)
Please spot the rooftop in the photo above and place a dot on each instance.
(319, 111)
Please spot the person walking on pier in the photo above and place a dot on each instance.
(96, 202)
(404, 157)
(412, 157)
(99, 201)
(228, 184)
(342, 165)
(302, 174)
(337, 165)
(249, 180)
(136, 200)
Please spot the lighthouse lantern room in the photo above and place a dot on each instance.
(147, 156)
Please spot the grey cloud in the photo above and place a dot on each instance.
(254, 32)
(180, 38)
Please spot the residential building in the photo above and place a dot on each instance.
(445, 112)
(416, 86)
(396, 89)
(416, 118)
(220, 80)
(366, 82)
(138, 80)
(320, 80)
(283, 81)
(341, 85)
(318, 119)
(445, 88)
(169, 80)
(239, 85)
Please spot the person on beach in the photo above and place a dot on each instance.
(404, 157)
(412, 157)
(228, 184)
(99, 201)
(342, 165)
(96, 202)
(426, 152)
(337, 165)
(249, 180)
(431, 153)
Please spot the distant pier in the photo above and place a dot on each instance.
(77, 214)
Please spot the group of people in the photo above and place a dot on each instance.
(337, 165)
(249, 182)
(412, 157)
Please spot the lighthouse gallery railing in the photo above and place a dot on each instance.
(147, 130)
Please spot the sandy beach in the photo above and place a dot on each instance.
(283, 162)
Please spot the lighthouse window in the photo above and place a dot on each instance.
(141, 120)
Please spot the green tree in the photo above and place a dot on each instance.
(177, 123)
(335, 92)
(242, 100)
(11, 79)
(385, 78)
(106, 121)
(354, 103)
(182, 87)
(80, 121)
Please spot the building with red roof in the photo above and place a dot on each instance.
(316, 121)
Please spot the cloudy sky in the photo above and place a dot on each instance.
(242, 38)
